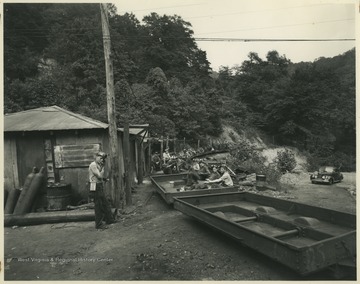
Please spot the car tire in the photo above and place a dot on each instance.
(331, 181)
(313, 182)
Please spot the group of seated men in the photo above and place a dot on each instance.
(168, 163)
(199, 175)
(199, 172)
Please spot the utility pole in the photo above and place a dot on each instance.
(127, 163)
(150, 155)
(115, 182)
(140, 165)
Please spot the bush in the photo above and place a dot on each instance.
(345, 162)
(245, 157)
(285, 161)
(273, 174)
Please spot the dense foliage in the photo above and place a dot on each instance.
(307, 105)
(53, 55)
(285, 161)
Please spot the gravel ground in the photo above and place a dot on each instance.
(152, 241)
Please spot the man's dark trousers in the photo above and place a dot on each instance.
(102, 207)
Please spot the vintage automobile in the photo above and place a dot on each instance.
(327, 175)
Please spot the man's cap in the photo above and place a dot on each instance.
(101, 154)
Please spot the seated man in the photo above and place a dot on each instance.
(214, 174)
(180, 165)
(169, 167)
(195, 165)
(155, 161)
(204, 172)
(192, 177)
(224, 180)
(166, 156)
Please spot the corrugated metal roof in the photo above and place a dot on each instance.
(135, 129)
(49, 118)
(56, 118)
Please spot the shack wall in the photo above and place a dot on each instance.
(11, 177)
(30, 153)
(78, 176)
(23, 151)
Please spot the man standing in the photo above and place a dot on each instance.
(96, 178)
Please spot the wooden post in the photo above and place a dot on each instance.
(184, 144)
(198, 146)
(127, 163)
(140, 175)
(174, 145)
(150, 164)
(116, 189)
(167, 141)
(161, 151)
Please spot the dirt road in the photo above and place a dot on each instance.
(153, 242)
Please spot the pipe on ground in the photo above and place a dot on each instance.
(48, 218)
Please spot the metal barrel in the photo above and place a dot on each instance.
(58, 197)
(260, 177)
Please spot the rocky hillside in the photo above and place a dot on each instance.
(231, 136)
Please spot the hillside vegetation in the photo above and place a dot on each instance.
(53, 55)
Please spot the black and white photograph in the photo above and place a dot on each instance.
(193, 140)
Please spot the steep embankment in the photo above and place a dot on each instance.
(299, 177)
(230, 135)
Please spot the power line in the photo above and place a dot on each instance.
(162, 8)
(204, 38)
(49, 29)
(283, 26)
(271, 39)
(217, 39)
(256, 11)
(27, 32)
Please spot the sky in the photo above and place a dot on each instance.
(259, 19)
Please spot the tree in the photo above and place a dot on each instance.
(169, 45)
(24, 39)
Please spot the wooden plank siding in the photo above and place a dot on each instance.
(11, 176)
(30, 153)
(62, 142)
(77, 174)
(75, 156)
(23, 151)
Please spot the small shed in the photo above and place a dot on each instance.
(62, 142)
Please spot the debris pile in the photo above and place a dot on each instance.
(352, 190)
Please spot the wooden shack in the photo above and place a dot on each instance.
(64, 143)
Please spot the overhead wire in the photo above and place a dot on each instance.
(162, 8)
(272, 39)
(44, 32)
(38, 31)
(255, 11)
(283, 26)
(213, 39)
